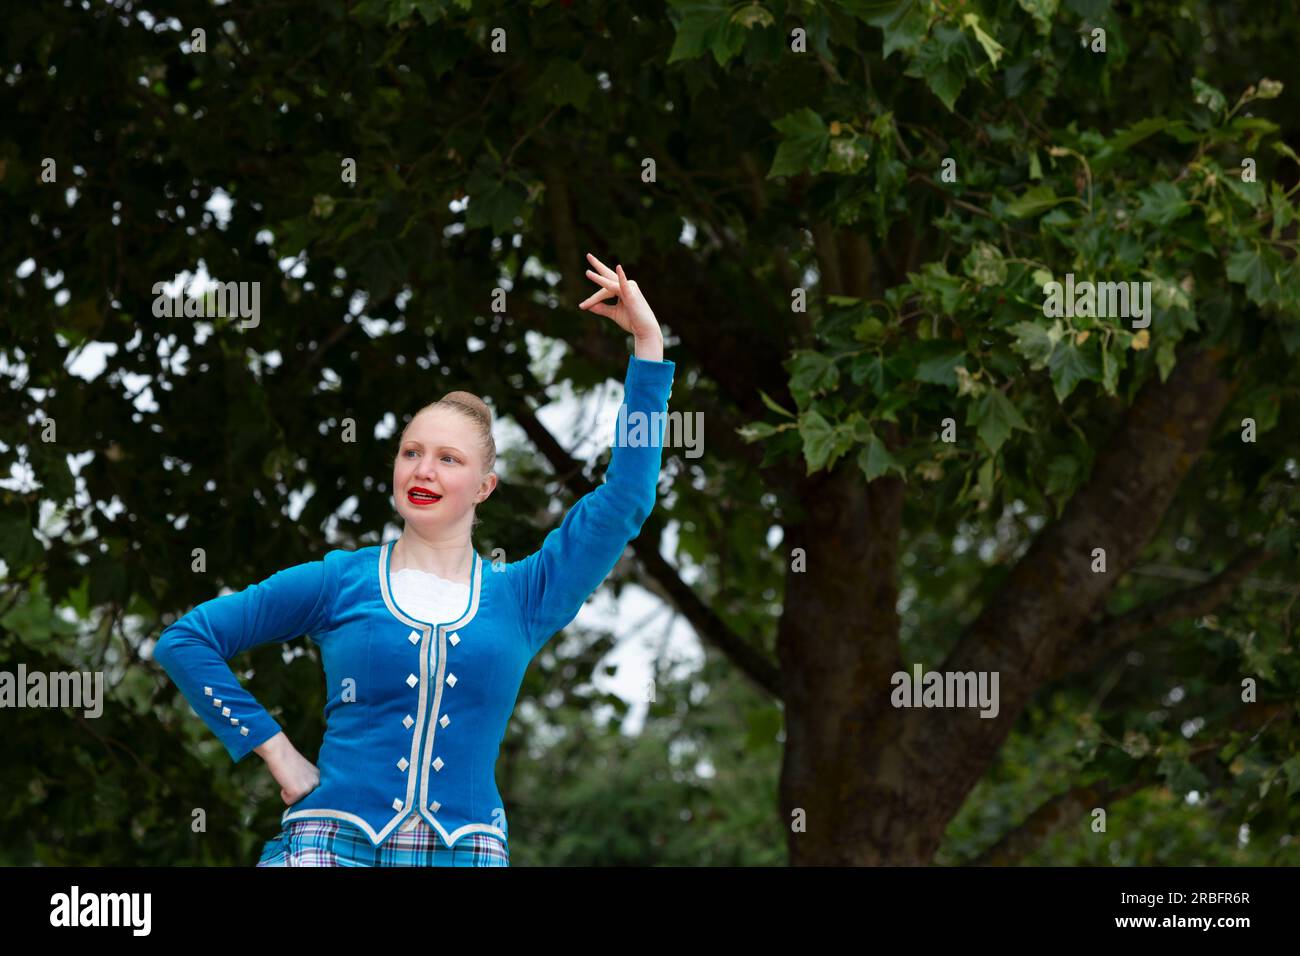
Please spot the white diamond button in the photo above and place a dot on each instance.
(451, 680)
(445, 720)
(412, 680)
(225, 711)
(244, 731)
(397, 804)
(403, 764)
(407, 721)
(234, 721)
(455, 639)
(435, 806)
(414, 637)
(437, 763)
(216, 702)
(208, 691)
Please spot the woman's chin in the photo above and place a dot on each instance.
(430, 516)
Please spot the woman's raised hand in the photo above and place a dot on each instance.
(633, 313)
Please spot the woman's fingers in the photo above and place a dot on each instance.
(604, 269)
(625, 288)
(614, 284)
(601, 280)
(598, 296)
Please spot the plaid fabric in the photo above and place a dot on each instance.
(320, 842)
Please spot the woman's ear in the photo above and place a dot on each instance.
(490, 483)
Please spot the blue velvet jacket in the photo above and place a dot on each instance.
(416, 710)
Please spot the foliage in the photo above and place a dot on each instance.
(481, 170)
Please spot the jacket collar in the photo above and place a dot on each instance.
(386, 589)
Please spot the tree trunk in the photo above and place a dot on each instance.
(878, 784)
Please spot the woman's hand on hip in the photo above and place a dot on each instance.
(296, 775)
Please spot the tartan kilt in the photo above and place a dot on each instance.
(323, 842)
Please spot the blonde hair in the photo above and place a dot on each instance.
(476, 410)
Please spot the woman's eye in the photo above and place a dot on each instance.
(452, 457)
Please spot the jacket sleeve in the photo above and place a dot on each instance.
(193, 650)
(553, 582)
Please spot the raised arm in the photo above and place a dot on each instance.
(194, 649)
(553, 582)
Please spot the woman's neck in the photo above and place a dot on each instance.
(451, 559)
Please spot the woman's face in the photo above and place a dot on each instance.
(439, 454)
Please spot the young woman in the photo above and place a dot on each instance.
(424, 647)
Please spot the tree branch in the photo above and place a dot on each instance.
(1104, 637)
(1038, 611)
(1067, 808)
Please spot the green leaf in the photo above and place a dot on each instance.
(1110, 368)
(936, 285)
(1070, 366)
(1282, 211)
(1162, 204)
(858, 428)
(36, 619)
(1166, 357)
(430, 12)
(947, 82)
(1252, 193)
(869, 369)
(1042, 11)
(565, 83)
(494, 202)
(1289, 332)
(818, 439)
(756, 431)
(754, 15)
(939, 369)
(1249, 268)
(773, 405)
(805, 144)
(985, 265)
(869, 331)
(904, 22)
(1208, 96)
(995, 417)
(1122, 141)
(1285, 150)
(992, 48)
(875, 460)
(1033, 342)
(1034, 200)
(941, 61)
(811, 373)
(18, 545)
(706, 26)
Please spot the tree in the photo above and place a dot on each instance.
(846, 215)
